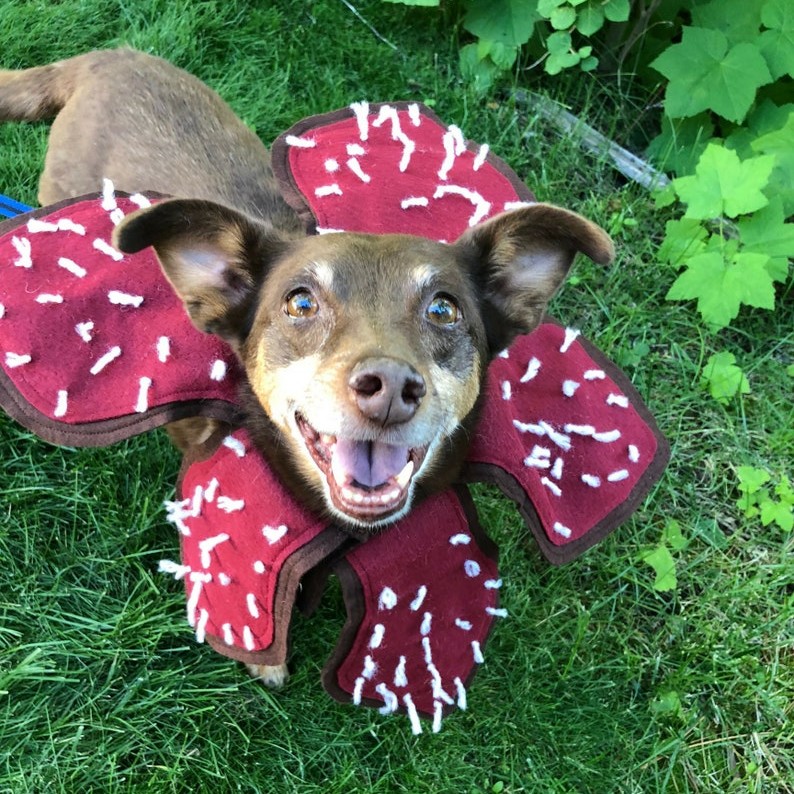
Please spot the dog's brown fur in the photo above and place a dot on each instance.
(365, 355)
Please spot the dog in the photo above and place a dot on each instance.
(364, 354)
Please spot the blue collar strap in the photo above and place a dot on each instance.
(9, 208)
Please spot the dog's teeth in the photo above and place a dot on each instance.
(404, 477)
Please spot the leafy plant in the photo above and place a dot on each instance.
(661, 559)
(723, 378)
(759, 501)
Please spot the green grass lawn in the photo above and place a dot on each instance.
(596, 683)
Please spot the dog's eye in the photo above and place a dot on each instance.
(301, 303)
(443, 310)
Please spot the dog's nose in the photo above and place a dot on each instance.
(386, 390)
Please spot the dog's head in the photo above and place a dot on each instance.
(366, 353)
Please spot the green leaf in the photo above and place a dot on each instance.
(668, 704)
(721, 286)
(502, 56)
(510, 22)
(723, 378)
(766, 232)
(779, 513)
(784, 490)
(751, 478)
(705, 74)
(427, 3)
(724, 185)
(617, 10)
(560, 55)
(479, 72)
(589, 20)
(739, 20)
(547, 7)
(673, 537)
(779, 144)
(563, 18)
(684, 238)
(777, 43)
(663, 565)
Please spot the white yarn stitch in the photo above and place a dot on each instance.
(617, 476)
(142, 403)
(532, 370)
(591, 480)
(235, 445)
(507, 390)
(229, 505)
(361, 112)
(481, 206)
(118, 298)
(419, 600)
(72, 267)
(46, 297)
(471, 568)
(300, 143)
(413, 716)
(390, 702)
(477, 652)
(427, 622)
(387, 599)
(479, 160)
(634, 453)
(218, 370)
(328, 190)
(414, 201)
(570, 337)
(107, 249)
(377, 635)
(460, 539)
(17, 359)
(22, 246)
(104, 360)
(400, 678)
(250, 602)
(62, 405)
(163, 348)
(356, 168)
(561, 529)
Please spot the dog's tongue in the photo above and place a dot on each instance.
(369, 463)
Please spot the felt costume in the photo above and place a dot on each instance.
(96, 347)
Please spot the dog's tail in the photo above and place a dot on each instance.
(34, 94)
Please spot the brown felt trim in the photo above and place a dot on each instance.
(558, 555)
(353, 595)
(294, 197)
(294, 568)
(106, 431)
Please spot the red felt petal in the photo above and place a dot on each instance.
(572, 433)
(245, 544)
(421, 598)
(392, 168)
(95, 345)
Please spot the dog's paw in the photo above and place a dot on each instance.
(273, 676)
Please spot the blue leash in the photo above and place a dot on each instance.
(9, 207)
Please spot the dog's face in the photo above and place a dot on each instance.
(365, 353)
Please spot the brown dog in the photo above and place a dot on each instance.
(364, 354)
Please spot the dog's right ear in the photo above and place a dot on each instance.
(214, 257)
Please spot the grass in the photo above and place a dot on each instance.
(596, 683)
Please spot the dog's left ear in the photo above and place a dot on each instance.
(520, 258)
(214, 257)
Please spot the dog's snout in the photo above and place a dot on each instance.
(386, 390)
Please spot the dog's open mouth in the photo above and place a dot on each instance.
(367, 480)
